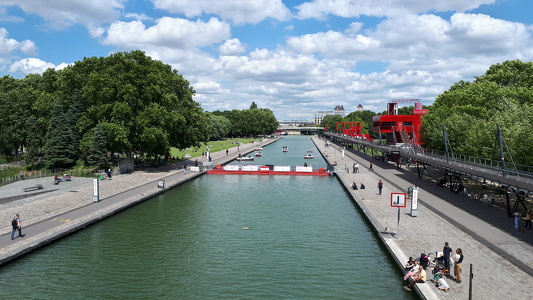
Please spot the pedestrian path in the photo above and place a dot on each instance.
(500, 261)
(65, 208)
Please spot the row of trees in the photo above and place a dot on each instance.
(470, 111)
(125, 103)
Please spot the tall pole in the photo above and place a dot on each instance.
(499, 133)
(445, 141)
(470, 283)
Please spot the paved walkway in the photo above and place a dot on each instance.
(59, 210)
(501, 260)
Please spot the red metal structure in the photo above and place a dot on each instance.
(400, 128)
(352, 129)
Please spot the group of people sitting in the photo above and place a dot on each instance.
(415, 269)
(354, 186)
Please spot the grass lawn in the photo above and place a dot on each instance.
(214, 146)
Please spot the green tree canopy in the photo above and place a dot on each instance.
(470, 111)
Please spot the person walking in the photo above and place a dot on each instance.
(517, 215)
(21, 174)
(16, 226)
(528, 220)
(380, 187)
(458, 267)
(447, 253)
(370, 169)
(353, 168)
(227, 151)
(356, 168)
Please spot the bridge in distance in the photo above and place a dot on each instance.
(300, 130)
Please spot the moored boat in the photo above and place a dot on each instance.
(308, 155)
(245, 158)
(285, 149)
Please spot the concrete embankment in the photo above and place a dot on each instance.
(68, 207)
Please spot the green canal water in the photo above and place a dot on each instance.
(221, 237)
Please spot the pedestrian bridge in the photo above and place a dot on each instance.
(300, 130)
(514, 182)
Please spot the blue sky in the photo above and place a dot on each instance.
(295, 57)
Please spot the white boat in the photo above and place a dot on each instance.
(308, 155)
(245, 158)
(259, 148)
(285, 149)
(258, 153)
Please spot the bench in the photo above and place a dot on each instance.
(35, 187)
(187, 156)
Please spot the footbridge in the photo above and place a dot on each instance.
(514, 183)
(300, 129)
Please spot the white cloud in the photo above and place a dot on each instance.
(232, 47)
(30, 66)
(8, 46)
(138, 17)
(238, 11)
(320, 9)
(167, 32)
(61, 14)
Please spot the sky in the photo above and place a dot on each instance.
(294, 57)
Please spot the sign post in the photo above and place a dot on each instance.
(96, 190)
(414, 202)
(398, 200)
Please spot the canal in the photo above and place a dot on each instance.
(221, 237)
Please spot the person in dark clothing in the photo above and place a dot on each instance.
(16, 226)
(447, 253)
(380, 187)
(424, 260)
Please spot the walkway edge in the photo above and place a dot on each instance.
(388, 240)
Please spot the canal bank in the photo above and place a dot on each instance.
(47, 217)
(495, 277)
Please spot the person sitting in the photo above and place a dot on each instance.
(56, 180)
(413, 271)
(442, 284)
(362, 186)
(409, 265)
(419, 278)
(354, 186)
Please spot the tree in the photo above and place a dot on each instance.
(330, 121)
(470, 111)
(60, 149)
(137, 100)
(98, 154)
(220, 127)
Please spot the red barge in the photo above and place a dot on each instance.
(268, 170)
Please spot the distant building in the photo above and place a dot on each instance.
(337, 111)
(359, 108)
